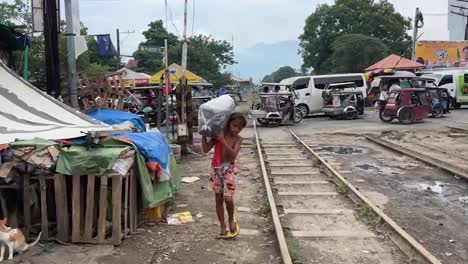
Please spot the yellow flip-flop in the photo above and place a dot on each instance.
(236, 233)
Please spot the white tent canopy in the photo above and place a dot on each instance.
(26, 113)
(128, 74)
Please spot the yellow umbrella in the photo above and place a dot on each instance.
(176, 74)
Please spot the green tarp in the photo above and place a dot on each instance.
(78, 160)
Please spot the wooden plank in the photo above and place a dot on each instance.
(333, 234)
(127, 182)
(26, 205)
(308, 193)
(88, 230)
(318, 212)
(301, 173)
(116, 210)
(283, 246)
(300, 182)
(44, 214)
(76, 209)
(102, 209)
(133, 201)
(61, 207)
(299, 165)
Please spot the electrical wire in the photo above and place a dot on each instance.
(172, 21)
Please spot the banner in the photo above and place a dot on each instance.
(105, 46)
(437, 54)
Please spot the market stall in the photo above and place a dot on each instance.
(74, 177)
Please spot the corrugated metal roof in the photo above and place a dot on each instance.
(26, 112)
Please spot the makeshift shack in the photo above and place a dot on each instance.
(73, 177)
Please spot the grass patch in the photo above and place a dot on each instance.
(365, 212)
(293, 248)
(264, 210)
(342, 189)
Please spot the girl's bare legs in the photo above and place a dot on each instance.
(230, 210)
(220, 212)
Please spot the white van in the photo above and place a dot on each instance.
(455, 81)
(309, 89)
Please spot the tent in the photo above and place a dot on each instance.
(27, 112)
(129, 77)
(176, 74)
(395, 62)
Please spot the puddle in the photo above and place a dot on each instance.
(367, 167)
(438, 188)
(343, 150)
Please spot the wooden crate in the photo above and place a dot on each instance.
(89, 197)
(89, 218)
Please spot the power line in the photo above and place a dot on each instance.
(172, 22)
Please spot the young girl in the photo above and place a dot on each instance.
(224, 171)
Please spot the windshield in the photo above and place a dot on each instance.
(434, 76)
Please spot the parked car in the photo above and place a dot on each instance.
(455, 81)
(309, 89)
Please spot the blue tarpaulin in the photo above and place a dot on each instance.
(113, 117)
(152, 145)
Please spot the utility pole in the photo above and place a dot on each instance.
(166, 82)
(118, 49)
(417, 17)
(461, 13)
(51, 47)
(71, 35)
(183, 132)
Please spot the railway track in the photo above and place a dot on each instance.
(319, 217)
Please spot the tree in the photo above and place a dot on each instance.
(367, 17)
(207, 57)
(349, 56)
(150, 61)
(281, 74)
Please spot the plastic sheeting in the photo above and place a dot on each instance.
(113, 117)
(26, 112)
(213, 114)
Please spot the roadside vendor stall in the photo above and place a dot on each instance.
(73, 177)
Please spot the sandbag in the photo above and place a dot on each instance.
(213, 115)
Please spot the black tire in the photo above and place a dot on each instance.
(406, 115)
(455, 105)
(263, 121)
(304, 109)
(297, 116)
(350, 115)
(384, 118)
(437, 111)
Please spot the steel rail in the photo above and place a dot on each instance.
(434, 162)
(283, 246)
(418, 248)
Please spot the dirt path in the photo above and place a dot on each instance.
(195, 242)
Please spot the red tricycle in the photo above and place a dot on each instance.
(408, 105)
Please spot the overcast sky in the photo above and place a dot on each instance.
(247, 21)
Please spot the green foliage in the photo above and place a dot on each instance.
(281, 74)
(16, 12)
(367, 17)
(349, 56)
(207, 57)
